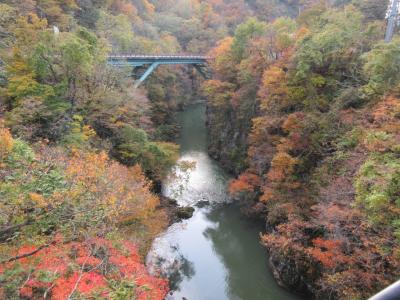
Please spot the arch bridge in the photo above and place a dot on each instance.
(151, 62)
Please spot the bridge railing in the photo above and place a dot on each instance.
(139, 56)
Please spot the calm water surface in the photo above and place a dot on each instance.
(216, 254)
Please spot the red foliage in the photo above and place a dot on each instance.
(328, 252)
(86, 268)
(87, 283)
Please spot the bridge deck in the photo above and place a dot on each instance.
(139, 57)
(141, 60)
(151, 62)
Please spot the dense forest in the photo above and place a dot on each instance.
(306, 112)
(302, 107)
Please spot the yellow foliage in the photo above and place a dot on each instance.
(6, 143)
(27, 32)
(273, 93)
(282, 166)
(38, 199)
(88, 132)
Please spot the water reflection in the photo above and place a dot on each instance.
(204, 182)
(216, 254)
(177, 270)
(236, 242)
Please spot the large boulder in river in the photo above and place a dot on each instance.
(185, 212)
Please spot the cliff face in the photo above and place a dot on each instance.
(228, 134)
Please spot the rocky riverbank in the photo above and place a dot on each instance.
(175, 213)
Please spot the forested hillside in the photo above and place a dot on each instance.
(306, 112)
(303, 106)
(79, 145)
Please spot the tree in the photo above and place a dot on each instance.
(252, 28)
(156, 158)
(57, 12)
(117, 30)
(381, 67)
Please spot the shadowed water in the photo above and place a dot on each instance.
(216, 254)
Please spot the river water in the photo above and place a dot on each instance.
(216, 254)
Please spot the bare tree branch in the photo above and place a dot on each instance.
(26, 254)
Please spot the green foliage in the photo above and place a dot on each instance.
(117, 30)
(12, 280)
(21, 154)
(377, 136)
(325, 46)
(49, 79)
(220, 93)
(378, 189)
(156, 158)
(122, 290)
(309, 88)
(76, 137)
(381, 67)
(351, 139)
(159, 158)
(8, 14)
(131, 144)
(251, 29)
(75, 194)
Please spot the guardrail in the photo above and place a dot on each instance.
(392, 292)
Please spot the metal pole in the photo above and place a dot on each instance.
(392, 18)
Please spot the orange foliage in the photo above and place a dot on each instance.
(123, 193)
(222, 63)
(125, 7)
(148, 6)
(6, 142)
(245, 183)
(384, 133)
(386, 110)
(301, 33)
(293, 122)
(268, 194)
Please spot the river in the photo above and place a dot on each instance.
(216, 254)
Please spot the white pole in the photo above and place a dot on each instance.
(392, 18)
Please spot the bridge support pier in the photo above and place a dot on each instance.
(146, 74)
(201, 71)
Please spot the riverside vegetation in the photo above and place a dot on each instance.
(303, 108)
